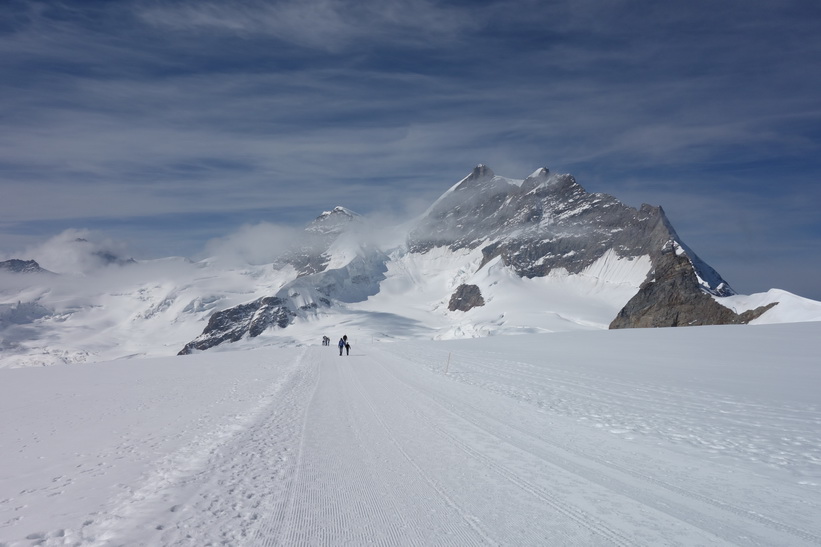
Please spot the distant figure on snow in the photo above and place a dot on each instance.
(347, 348)
(341, 344)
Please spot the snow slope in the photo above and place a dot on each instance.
(147, 309)
(790, 307)
(691, 436)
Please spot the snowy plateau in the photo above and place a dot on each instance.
(439, 427)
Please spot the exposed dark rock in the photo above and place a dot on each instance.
(22, 266)
(233, 324)
(547, 222)
(107, 257)
(466, 297)
(550, 222)
(110, 258)
(674, 298)
(302, 297)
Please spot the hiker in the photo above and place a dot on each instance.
(347, 348)
(341, 344)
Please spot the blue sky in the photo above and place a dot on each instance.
(167, 124)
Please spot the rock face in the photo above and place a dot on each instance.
(547, 222)
(544, 223)
(674, 298)
(303, 297)
(21, 266)
(465, 298)
(233, 324)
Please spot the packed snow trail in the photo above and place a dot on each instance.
(538, 440)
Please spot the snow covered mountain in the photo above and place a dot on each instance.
(491, 256)
(21, 266)
(545, 226)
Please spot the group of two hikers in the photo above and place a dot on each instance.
(343, 344)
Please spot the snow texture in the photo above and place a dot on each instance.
(698, 436)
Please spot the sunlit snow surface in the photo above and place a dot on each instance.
(154, 308)
(790, 307)
(148, 309)
(691, 436)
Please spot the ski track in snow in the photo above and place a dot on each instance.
(411, 444)
(627, 479)
(224, 501)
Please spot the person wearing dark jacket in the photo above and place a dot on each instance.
(341, 345)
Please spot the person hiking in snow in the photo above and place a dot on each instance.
(341, 345)
(347, 348)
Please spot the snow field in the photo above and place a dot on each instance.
(116, 313)
(691, 436)
(790, 307)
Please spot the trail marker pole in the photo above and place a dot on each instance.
(447, 366)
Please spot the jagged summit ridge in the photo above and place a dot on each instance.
(16, 265)
(544, 222)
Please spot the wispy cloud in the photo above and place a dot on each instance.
(330, 25)
(229, 113)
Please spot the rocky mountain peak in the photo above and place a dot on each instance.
(480, 173)
(537, 178)
(16, 265)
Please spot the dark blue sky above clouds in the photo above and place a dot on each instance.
(167, 124)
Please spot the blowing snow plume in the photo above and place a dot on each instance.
(78, 252)
(254, 244)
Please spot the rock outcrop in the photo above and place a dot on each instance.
(465, 298)
(233, 324)
(674, 297)
(303, 297)
(16, 265)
